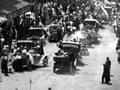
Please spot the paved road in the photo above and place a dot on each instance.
(86, 77)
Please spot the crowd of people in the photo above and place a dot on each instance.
(68, 15)
(46, 13)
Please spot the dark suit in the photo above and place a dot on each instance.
(106, 74)
(4, 66)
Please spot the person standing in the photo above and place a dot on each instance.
(118, 52)
(106, 71)
(4, 65)
(108, 63)
(41, 49)
(118, 45)
(105, 75)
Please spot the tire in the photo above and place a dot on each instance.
(71, 67)
(49, 39)
(75, 64)
(29, 65)
(54, 69)
(45, 61)
(17, 65)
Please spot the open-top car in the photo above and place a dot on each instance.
(91, 23)
(28, 54)
(92, 27)
(55, 32)
(67, 57)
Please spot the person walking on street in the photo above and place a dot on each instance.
(106, 71)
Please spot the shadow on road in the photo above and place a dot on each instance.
(96, 43)
(80, 63)
(93, 43)
(53, 41)
(84, 52)
(90, 46)
(67, 72)
(37, 67)
(107, 83)
(24, 69)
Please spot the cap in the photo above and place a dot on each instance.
(107, 58)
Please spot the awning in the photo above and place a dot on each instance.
(2, 20)
(13, 8)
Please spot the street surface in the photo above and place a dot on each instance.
(86, 77)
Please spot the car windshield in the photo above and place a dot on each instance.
(90, 23)
(35, 32)
(71, 47)
(54, 28)
(25, 44)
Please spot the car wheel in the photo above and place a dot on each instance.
(45, 61)
(54, 68)
(71, 67)
(29, 65)
(15, 65)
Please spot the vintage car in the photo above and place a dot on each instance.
(28, 54)
(92, 27)
(55, 32)
(67, 57)
(81, 37)
(36, 33)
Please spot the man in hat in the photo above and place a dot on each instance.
(106, 71)
(108, 63)
(105, 75)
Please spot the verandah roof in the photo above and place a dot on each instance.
(10, 6)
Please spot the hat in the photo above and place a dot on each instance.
(107, 58)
